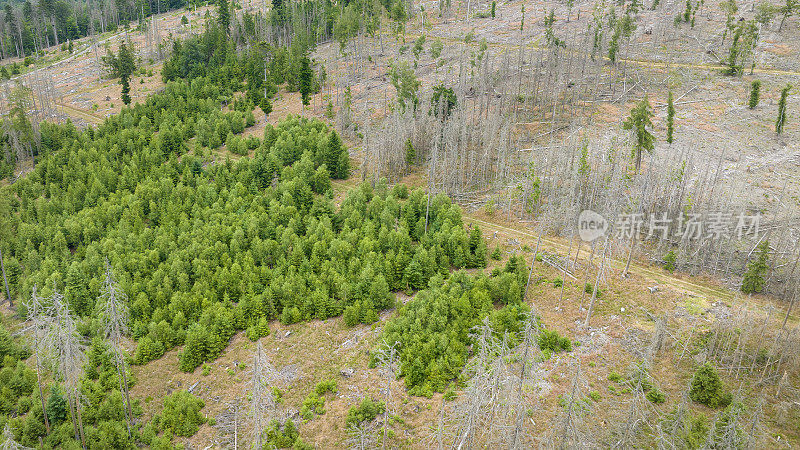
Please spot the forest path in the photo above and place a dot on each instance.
(72, 111)
(534, 44)
(636, 268)
(692, 288)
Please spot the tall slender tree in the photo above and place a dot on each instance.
(38, 326)
(114, 316)
(306, 80)
(70, 358)
(224, 15)
(781, 121)
(755, 94)
(640, 123)
(670, 117)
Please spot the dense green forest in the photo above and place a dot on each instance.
(203, 248)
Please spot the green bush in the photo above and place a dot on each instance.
(589, 287)
(446, 312)
(552, 341)
(181, 414)
(282, 435)
(56, 406)
(259, 330)
(312, 404)
(753, 281)
(670, 261)
(326, 386)
(656, 396)
(367, 411)
(707, 388)
(558, 282)
(692, 429)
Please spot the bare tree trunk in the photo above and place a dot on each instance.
(41, 393)
(530, 273)
(630, 255)
(5, 281)
(791, 306)
(596, 282)
(80, 417)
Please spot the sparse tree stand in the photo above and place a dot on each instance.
(781, 121)
(755, 94)
(670, 117)
(5, 281)
(640, 122)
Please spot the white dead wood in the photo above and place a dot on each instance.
(114, 316)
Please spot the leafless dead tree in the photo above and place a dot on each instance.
(230, 423)
(8, 442)
(388, 359)
(362, 436)
(69, 357)
(38, 328)
(114, 316)
(262, 399)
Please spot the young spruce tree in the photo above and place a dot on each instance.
(640, 122)
(781, 121)
(755, 94)
(753, 281)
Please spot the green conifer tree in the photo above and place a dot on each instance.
(754, 281)
(305, 80)
(755, 94)
(781, 121)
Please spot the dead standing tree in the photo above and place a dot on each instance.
(262, 400)
(230, 423)
(114, 316)
(362, 436)
(38, 327)
(388, 359)
(69, 357)
(480, 416)
(528, 365)
(7, 441)
(568, 431)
